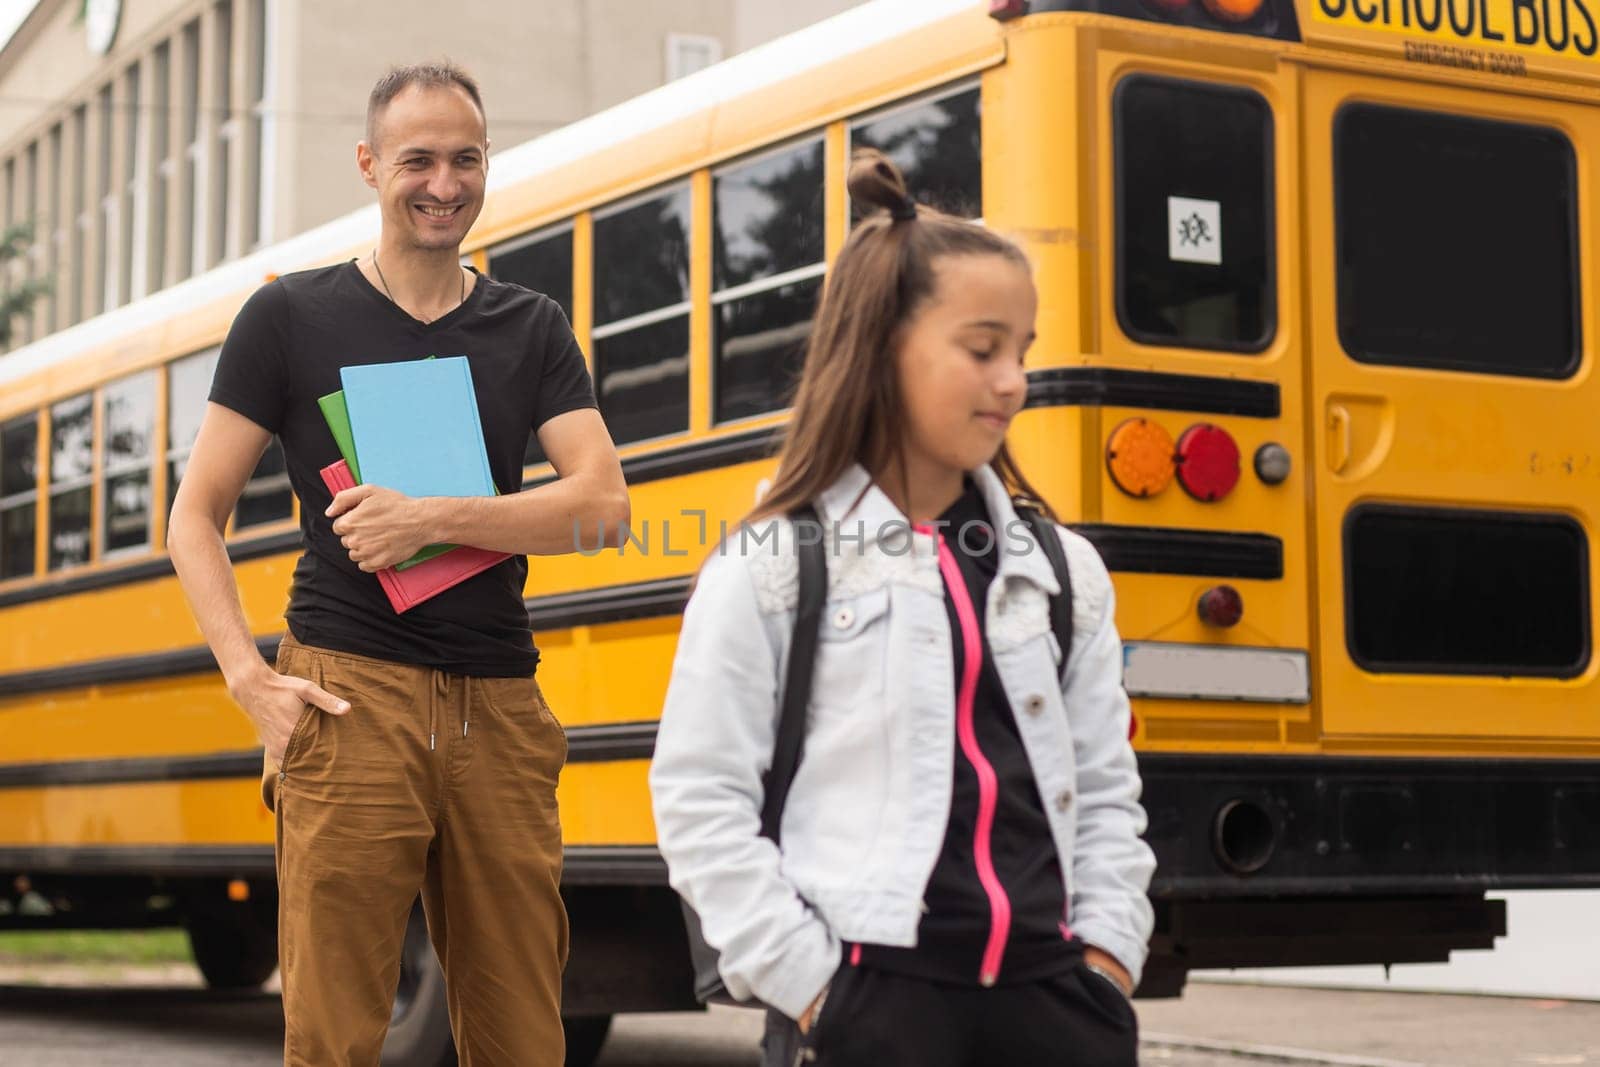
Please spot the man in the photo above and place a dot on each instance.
(405, 751)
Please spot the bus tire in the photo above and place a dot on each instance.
(419, 1026)
(586, 1036)
(235, 945)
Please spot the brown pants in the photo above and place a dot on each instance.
(432, 781)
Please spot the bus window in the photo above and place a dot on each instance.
(1456, 244)
(1438, 591)
(543, 263)
(128, 430)
(19, 491)
(767, 259)
(71, 480)
(1194, 215)
(938, 146)
(267, 496)
(188, 383)
(641, 316)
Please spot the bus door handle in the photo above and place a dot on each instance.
(1338, 437)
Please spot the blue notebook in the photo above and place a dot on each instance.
(416, 427)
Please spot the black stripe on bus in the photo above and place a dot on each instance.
(603, 743)
(617, 603)
(1053, 387)
(1116, 387)
(161, 567)
(694, 458)
(119, 669)
(1203, 553)
(582, 864)
(594, 607)
(1128, 549)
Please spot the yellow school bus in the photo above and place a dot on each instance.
(1313, 373)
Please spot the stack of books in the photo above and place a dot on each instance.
(413, 427)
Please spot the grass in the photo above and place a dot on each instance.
(95, 946)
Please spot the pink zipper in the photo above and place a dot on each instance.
(988, 783)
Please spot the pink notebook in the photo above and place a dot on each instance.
(410, 587)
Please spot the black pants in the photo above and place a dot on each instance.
(875, 1018)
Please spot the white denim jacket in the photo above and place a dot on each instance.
(865, 818)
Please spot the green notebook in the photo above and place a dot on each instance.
(338, 417)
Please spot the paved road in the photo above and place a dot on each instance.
(162, 1019)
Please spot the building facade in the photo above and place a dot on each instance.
(146, 141)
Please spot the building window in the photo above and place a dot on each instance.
(31, 267)
(56, 242)
(227, 132)
(255, 218)
(133, 188)
(19, 496)
(938, 145)
(688, 53)
(104, 295)
(80, 220)
(128, 423)
(641, 314)
(188, 385)
(71, 480)
(160, 169)
(541, 262)
(767, 266)
(190, 260)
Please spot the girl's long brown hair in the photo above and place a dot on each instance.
(848, 408)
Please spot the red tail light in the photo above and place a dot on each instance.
(1221, 606)
(1233, 10)
(1208, 462)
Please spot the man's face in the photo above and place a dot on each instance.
(428, 162)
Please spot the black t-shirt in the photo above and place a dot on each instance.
(954, 930)
(285, 350)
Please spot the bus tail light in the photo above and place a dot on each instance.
(1233, 10)
(1208, 462)
(1221, 606)
(1139, 455)
(1005, 10)
(1272, 463)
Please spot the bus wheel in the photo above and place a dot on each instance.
(419, 1027)
(235, 945)
(586, 1036)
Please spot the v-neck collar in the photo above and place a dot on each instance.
(405, 316)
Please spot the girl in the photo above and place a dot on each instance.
(960, 880)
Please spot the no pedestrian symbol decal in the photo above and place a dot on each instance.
(1194, 230)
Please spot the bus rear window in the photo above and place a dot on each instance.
(1194, 214)
(1456, 242)
(1434, 591)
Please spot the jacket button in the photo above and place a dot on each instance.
(1064, 800)
(843, 618)
(1034, 704)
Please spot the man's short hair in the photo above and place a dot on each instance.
(443, 75)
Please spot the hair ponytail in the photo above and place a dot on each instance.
(847, 406)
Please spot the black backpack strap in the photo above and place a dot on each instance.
(796, 695)
(1044, 532)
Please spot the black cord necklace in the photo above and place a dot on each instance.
(462, 299)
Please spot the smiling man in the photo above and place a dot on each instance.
(413, 751)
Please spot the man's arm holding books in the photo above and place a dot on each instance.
(380, 527)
